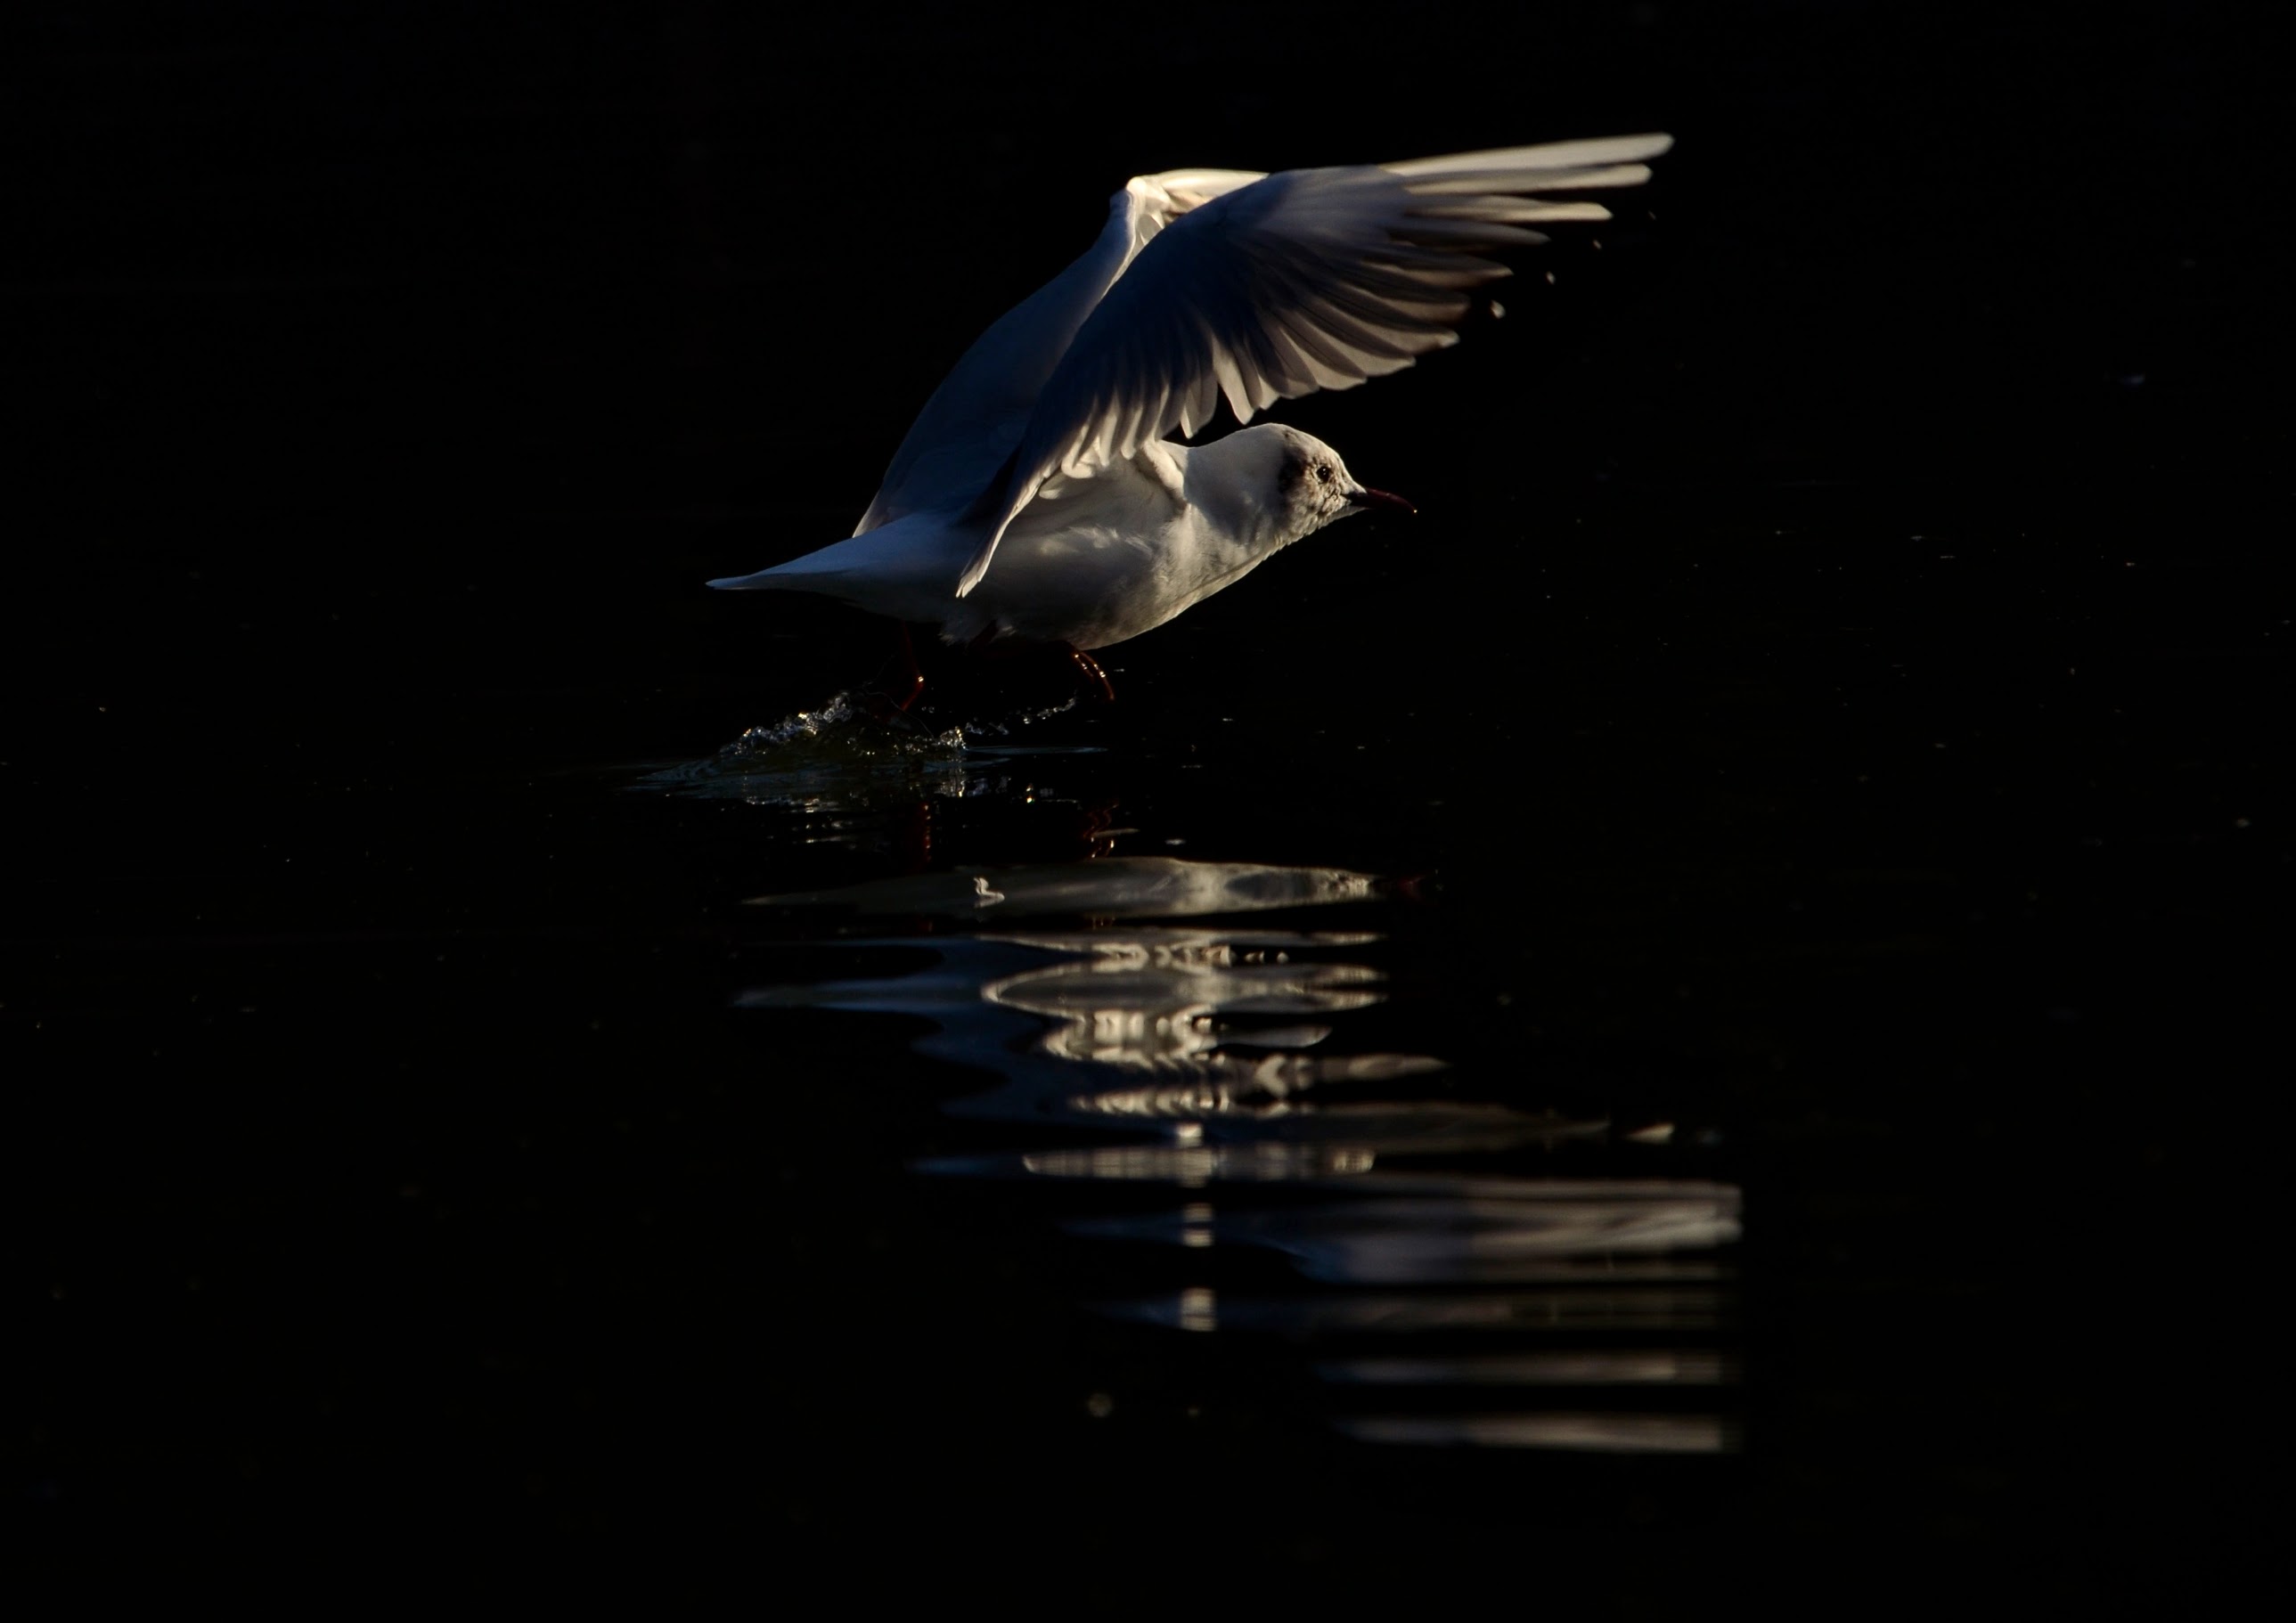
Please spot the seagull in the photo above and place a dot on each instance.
(1039, 497)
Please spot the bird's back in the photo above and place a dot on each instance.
(1093, 561)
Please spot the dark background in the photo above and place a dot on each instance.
(384, 381)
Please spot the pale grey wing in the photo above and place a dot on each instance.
(971, 424)
(1310, 279)
(960, 443)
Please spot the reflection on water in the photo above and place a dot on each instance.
(1542, 1369)
(1320, 1193)
(1542, 1228)
(1114, 888)
(1603, 1433)
(1482, 1313)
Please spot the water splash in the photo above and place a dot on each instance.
(848, 755)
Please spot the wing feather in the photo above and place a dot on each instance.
(1256, 289)
(1554, 157)
(967, 431)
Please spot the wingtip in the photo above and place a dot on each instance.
(976, 566)
(1597, 153)
(975, 570)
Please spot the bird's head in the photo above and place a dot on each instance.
(1303, 484)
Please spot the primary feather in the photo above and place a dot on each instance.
(1272, 287)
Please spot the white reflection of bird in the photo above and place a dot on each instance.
(1035, 496)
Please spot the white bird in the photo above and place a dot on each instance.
(1037, 496)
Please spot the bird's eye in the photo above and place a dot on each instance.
(1324, 473)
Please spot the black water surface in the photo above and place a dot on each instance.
(1706, 1017)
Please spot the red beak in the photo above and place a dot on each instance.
(1368, 497)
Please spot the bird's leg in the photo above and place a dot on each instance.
(917, 678)
(989, 646)
(1092, 671)
(893, 705)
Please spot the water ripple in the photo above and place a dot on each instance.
(1187, 1045)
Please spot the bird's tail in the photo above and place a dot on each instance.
(764, 580)
(900, 569)
(817, 571)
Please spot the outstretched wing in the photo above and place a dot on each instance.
(1310, 279)
(958, 447)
